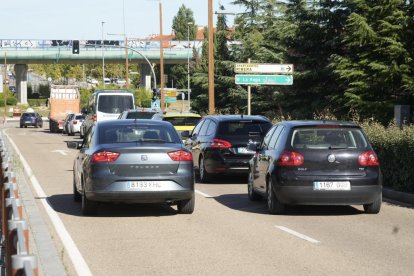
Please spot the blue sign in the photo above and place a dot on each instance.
(156, 104)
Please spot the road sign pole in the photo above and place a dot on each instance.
(249, 96)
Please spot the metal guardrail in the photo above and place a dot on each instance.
(14, 229)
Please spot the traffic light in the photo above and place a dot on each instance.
(75, 47)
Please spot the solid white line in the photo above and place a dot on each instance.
(203, 194)
(78, 261)
(297, 234)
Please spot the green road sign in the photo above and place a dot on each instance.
(264, 79)
(170, 99)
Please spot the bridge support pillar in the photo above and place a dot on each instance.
(145, 71)
(21, 82)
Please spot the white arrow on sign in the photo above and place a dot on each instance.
(63, 152)
(263, 68)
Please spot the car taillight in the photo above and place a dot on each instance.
(94, 117)
(180, 155)
(368, 158)
(220, 144)
(105, 156)
(290, 158)
(75, 122)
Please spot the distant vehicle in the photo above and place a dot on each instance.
(219, 143)
(106, 105)
(31, 119)
(75, 123)
(315, 163)
(141, 113)
(64, 99)
(107, 81)
(12, 89)
(68, 118)
(133, 161)
(180, 120)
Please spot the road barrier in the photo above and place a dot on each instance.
(14, 229)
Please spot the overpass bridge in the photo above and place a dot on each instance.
(34, 51)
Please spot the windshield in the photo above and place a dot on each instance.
(138, 133)
(182, 121)
(244, 128)
(115, 103)
(28, 115)
(140, 115)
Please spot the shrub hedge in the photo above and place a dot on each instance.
(395, 150)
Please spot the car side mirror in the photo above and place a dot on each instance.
(74, 144)
(185, 134)
(253, 146)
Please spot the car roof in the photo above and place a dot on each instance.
(181, 114)
(132, 122)
(238, 117)
(144, 109)
(112, 91)
(319, 122)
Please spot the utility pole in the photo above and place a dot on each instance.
(211, 105)
(5, 86)
(249, 96)
(103, 55)
(188, 64)
(161, 61)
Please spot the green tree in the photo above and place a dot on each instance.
(184, 24)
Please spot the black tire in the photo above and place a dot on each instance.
(77, 197)
(186, 206)
(253, 196)
(273, 204)
(41, 125)
(25, 126)
(36, 126)
(205, 177)
(21, 126)
(374, 207)
(89, 207)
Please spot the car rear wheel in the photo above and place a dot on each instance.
(204, 175)
(274, 206)
(253, 196)
(77, 197)
(375, 207)
(186, 206)
(89, 207)
(21, 126)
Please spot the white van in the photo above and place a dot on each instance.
(107, 105)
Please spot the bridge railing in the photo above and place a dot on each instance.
(15, 229)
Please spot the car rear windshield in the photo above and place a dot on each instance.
(182, 121)
(140, 115)
(115, 103)
(28, 115)
(250, 128)
(138, 133)
(328, 138)
(79, 117)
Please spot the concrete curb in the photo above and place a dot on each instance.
(398, 196)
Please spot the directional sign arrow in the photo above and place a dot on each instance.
(63, 152)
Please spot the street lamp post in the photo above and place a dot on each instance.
(103, 55)
(188, 65)
(161, 60)
(211, 105)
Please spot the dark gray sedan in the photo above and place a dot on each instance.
(133, 161)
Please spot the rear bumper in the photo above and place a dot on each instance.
(305, 195)
(140, 196)
(220, 165)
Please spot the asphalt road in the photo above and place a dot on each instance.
(226, 235)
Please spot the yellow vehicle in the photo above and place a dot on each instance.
(180, 120)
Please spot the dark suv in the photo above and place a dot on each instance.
(219, 143)
(31, 119)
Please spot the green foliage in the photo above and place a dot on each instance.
(11, 99)
(84, 96)
(182, 29)
(36, 102)
(143, 97)
(395, 150)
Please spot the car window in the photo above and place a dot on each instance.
(196, 130)
(28, 115)
(203, 129)
(140, 115)
(79, 117)
(211, 128)
(266, 139)
(324, 138)
(137, 134)
(236, 128)
(182, 121)
(273, 143)
(114, 103)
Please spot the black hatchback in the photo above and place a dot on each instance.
(315, 163)
(31, 119)
(219, 143)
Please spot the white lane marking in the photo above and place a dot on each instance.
(203, 194)
(297, 234)
(63, 152)
(78, 261)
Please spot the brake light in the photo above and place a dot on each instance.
(105, 156)
(368, 158)
(94, 118)
(290, 158)
(75, 122)
(220, 144)
(180, 155)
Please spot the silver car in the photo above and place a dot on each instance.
(133, 161)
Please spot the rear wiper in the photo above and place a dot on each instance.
(337, 147)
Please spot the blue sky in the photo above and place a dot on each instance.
(76, 19)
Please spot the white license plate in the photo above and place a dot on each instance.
(244, 151)
(144, 185)
(332, 185)
(28, 122)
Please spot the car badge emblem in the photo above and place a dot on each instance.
(144, 157)
(331, 158)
